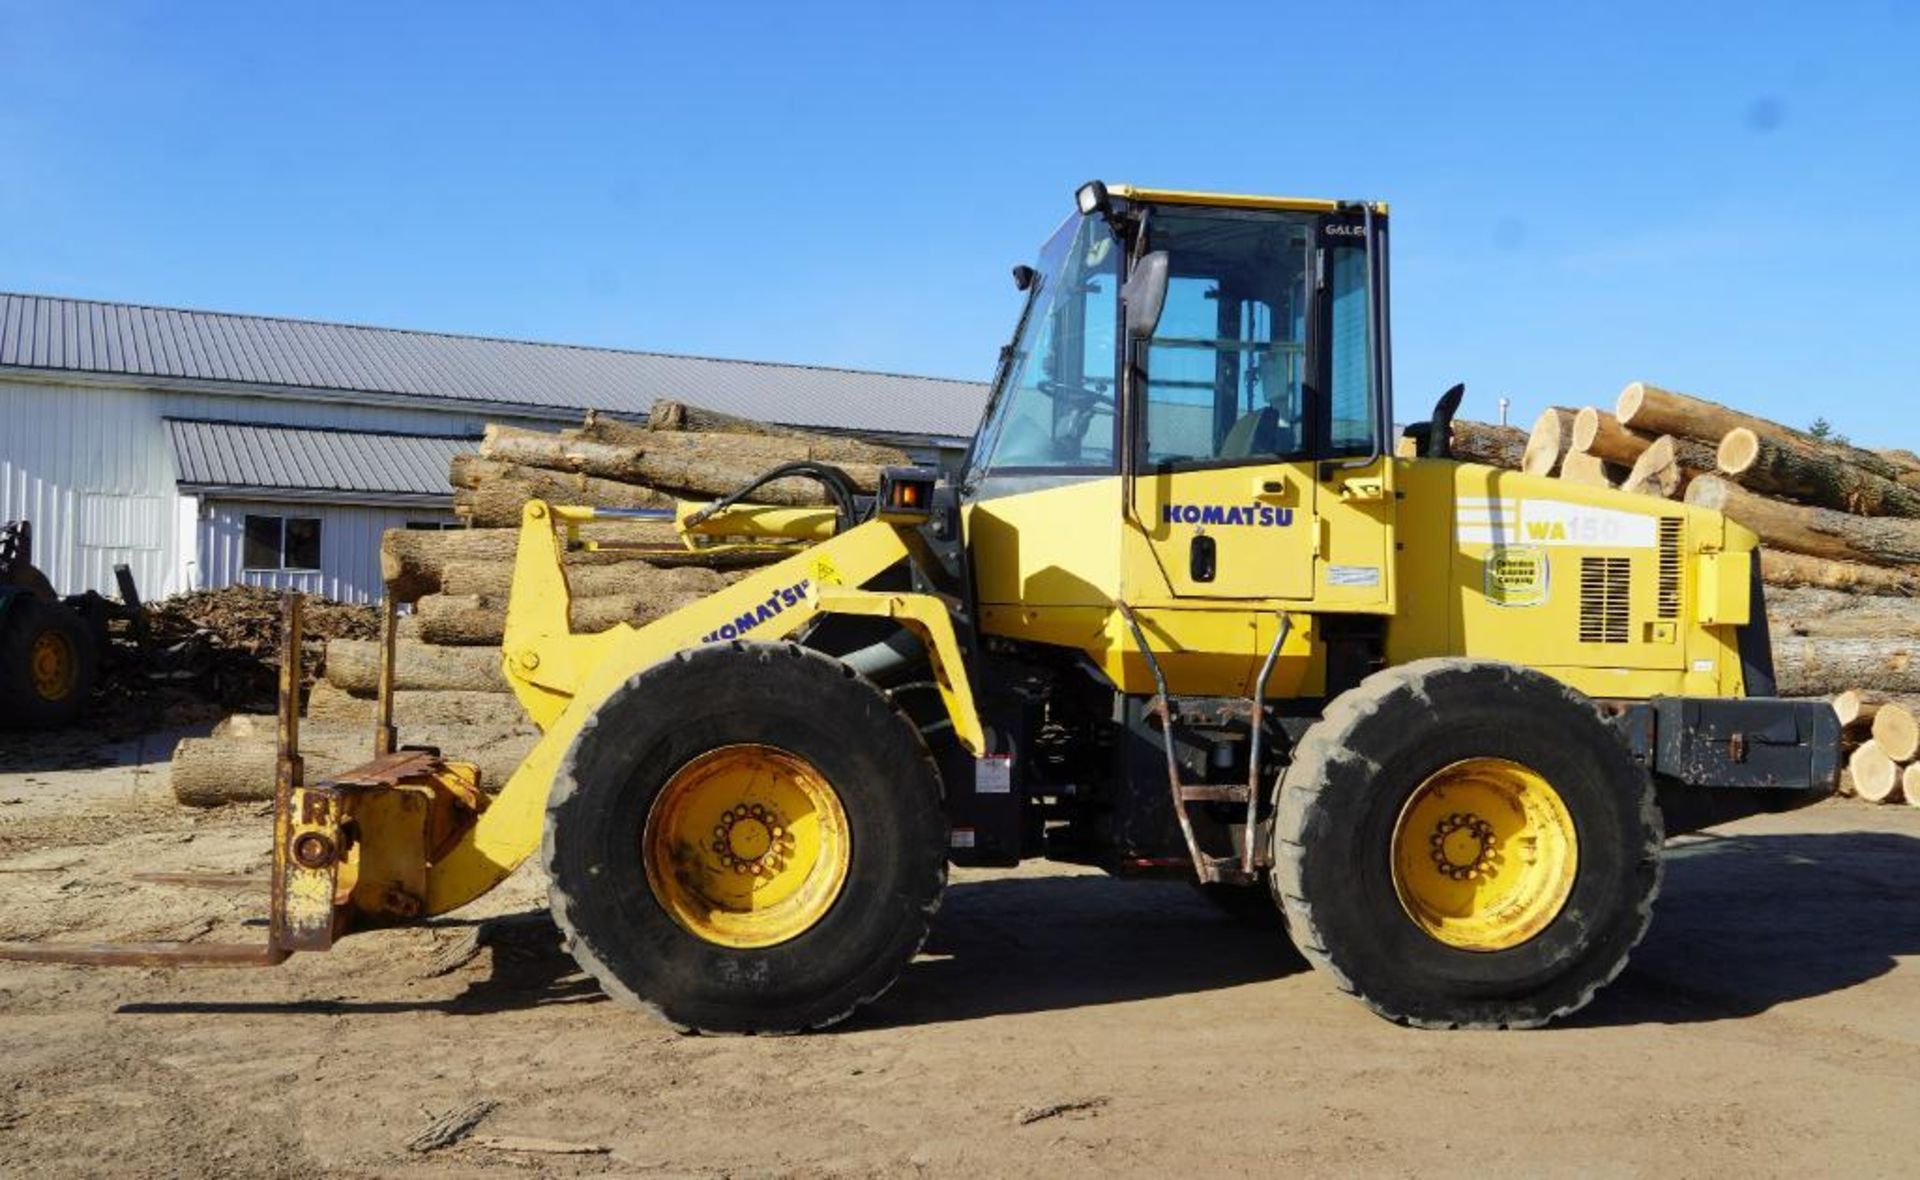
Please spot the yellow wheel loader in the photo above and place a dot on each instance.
(1194, 610)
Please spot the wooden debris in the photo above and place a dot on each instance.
(449, 1128)
(531, 1145)
(1054, 1110)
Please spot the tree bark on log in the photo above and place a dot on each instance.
(1490, 444)
(490, 494)
(710, 464)
(681, 417)
(1547, 443)
(1819, 532)
(411, 560)
(1596, 432)
(330, 705)
(1819, 475)
(1815, 667)
(470, 620)
(1875, 776)
(1781, 568)
(1836, 614)
(354, 664)
(1856, 711)
(238, 766)
(632, 577)
(1896, 732)
(1655, 410)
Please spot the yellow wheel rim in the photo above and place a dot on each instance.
(747, 846)
(1484, 855)
(53, 666)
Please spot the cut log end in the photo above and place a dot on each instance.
(1875, 776)
(1896, 732)
(1628, 406)
(1738, 449)
(1910, 784)
(1657, 472)
(1547, 444)
(1585, 470)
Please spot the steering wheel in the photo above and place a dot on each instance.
(1077, 398)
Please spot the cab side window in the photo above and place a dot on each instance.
(1227, 363)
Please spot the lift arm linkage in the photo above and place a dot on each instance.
(562, 678)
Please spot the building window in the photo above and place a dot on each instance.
(282, 543)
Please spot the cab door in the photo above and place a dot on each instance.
(1255, 469)
(1223, 480)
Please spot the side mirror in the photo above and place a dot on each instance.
(1145, 294)
(1023, 277)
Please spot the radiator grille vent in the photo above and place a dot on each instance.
(1669, 588)
(1605, 585)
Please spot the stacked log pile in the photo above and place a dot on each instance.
(450, 691)
(1839, 527)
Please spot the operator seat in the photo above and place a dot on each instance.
(1269, 430)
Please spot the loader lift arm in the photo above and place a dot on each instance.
(562, 677)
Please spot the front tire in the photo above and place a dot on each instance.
(1466, 843)
(746, 838)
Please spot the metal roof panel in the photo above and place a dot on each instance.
(41, 332)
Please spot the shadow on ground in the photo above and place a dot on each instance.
(1748, 922)
(24, 753)
(1743, 924)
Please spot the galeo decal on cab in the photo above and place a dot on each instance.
(1257, 515)
(768, 608)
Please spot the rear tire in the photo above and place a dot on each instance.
(678, 920)
(1377, 834)
(48, 663)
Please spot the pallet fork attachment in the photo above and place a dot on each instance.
(349, 852)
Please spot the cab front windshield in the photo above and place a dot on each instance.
(1054, 407)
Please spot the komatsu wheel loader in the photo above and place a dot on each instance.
(1194, 610)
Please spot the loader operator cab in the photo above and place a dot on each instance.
(1269, 343)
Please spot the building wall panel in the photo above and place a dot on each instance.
(349, 546)
(91, 469)
(91, 466)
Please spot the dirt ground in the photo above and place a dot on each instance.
(1060, 1022)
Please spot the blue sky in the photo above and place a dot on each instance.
(1713, 197)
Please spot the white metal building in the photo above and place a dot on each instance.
(203, 449)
